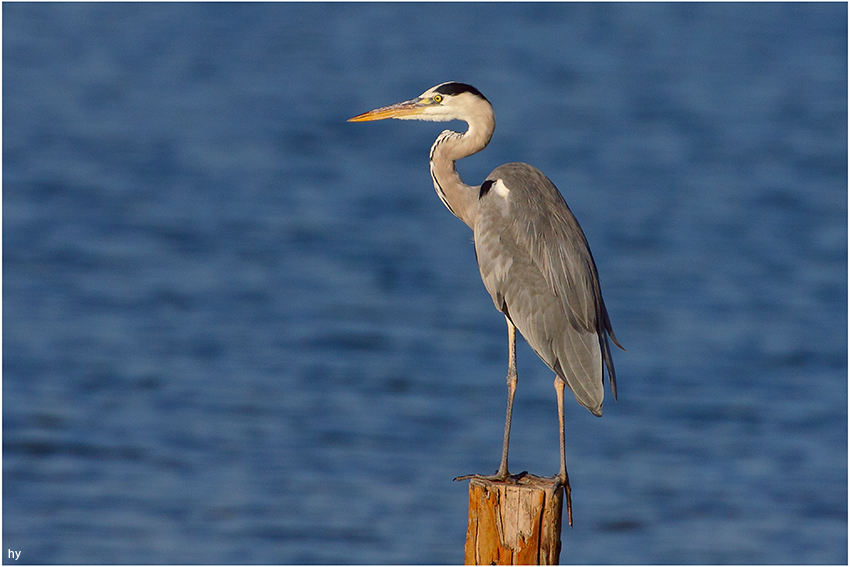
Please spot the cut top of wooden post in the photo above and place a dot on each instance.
(514, 522)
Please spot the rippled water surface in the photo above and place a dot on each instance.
(237, 329)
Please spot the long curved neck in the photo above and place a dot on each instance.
(461, 199)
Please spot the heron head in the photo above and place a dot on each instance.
(446, 101)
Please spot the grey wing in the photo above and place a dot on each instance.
(535, 263)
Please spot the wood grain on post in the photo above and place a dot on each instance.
(514, 522)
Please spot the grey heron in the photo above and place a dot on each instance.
(533, 256)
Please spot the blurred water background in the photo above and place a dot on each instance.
(237, 329)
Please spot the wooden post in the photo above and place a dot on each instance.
(514, 522)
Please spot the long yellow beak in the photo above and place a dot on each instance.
(398, 110)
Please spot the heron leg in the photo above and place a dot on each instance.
(563, 477)
(502, 473)
(511, 379)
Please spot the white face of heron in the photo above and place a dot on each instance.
(441, 107)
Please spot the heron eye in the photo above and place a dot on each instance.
(438, 98)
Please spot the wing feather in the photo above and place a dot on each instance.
(537, 267)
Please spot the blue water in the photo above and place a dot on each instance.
(237, 329)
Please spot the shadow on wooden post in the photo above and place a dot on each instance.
(514, 522)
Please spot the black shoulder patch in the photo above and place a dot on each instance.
(485, 187)
(452, 89)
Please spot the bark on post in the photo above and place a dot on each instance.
(514, 522)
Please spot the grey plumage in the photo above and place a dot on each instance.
(537, 266)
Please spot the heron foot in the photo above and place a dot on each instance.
(564, 480)
(498, 477)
